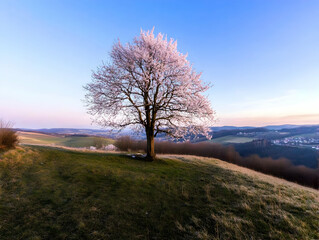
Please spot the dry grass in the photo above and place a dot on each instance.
(268, 195)
(8, 137)
(242, 170)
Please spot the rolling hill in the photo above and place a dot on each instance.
(77, 141)
(47, 193)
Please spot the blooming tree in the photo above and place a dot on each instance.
(149, 84)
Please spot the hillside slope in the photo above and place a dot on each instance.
(49, 193)
(79, 141)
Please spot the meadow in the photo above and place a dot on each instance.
(76, 141)
(49, 193)
(231, 139)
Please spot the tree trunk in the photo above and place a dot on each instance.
(150, 145)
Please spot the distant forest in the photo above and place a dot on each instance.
(298, 156)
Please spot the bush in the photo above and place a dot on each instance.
(126, 143)
(98, 142)
(8, 137)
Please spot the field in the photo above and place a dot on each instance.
(232, 139)
(34, 138)
(48, 193)
(309, 135)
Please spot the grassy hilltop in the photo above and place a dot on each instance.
(48, 193)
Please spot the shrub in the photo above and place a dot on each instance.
(126, 143)
(8, 137)
(98, 142)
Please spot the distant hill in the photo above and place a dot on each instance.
(280, 127)
(79, 131)
(103, 132)
(269, 127)
(230, 128)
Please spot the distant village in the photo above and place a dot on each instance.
(293, 141)
(312, 142)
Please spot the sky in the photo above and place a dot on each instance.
(261, 56)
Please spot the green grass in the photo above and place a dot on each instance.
(232, 139)
(83, 141)
(66, 141)
(48, 193)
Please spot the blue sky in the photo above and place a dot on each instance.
(262, 57)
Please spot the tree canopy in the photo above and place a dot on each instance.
(150, 84)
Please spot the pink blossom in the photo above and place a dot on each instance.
(149, 84)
